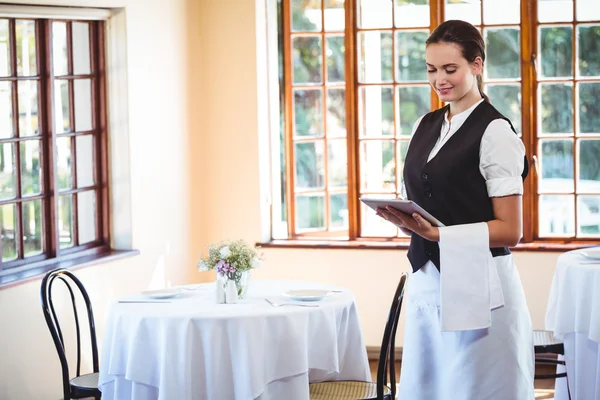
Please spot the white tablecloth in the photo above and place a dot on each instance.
(193, 348)
(573, 314)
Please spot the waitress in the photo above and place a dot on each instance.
(468, 329)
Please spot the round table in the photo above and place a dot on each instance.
(193, 348)
(573, 314)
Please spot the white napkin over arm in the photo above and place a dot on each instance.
(470, 285)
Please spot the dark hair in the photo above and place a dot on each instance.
(467, 37)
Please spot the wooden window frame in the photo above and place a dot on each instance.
(529, 82)
(52, 255)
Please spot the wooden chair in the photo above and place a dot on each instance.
(545, 343)
(81, 386)
(356, 390)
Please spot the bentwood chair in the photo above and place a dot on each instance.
(356, 390)
(545, 343)
(80, 386)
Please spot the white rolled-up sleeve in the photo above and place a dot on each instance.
(501, 159)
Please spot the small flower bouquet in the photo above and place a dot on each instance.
(232, 261)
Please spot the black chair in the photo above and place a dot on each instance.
(356, 390)
(545, 343)
(80, 386)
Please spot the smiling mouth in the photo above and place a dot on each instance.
(444, 90)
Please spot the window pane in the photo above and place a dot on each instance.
(85, 160)
(26, 56)
(588, 50)
(335, 15)
(335, 58)
(507, 99)
(339, 211)
(589, 108)
(33, 228)
(374, 57)
(413, 101)
(589, 166)
(82, 93)
(336, 112)
(7, 172)
(501, 12)
(587, 10)
(402, 149)
(503, 53)
(9, 230)
(556, 51)
(374, 14)
(307, 59)
(374, 226)
(556, 157)
(6, 110)
(310, 170)
(63, 163)
(308, 112)
(86, 216)
(588, 215)
(555, 10)
(338, 163)
(377, 166)
(310, 212)
(31, 168)
(59, 48)
(4, 48)
(28, 109)
(81, 48)
(410, 56)
(61, 106)
(65, 221)
(466, 10)
(376, 111)
(306, 16)
(410, 14)
(557, 216)
(556, 107)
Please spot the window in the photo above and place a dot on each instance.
(353, 82)
(53, 172)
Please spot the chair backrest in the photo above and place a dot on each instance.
(73, 284)
(387, 359)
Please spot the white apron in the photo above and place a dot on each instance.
(495, 363)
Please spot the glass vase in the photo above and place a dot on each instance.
(242, 281)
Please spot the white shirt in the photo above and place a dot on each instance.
(501, 153)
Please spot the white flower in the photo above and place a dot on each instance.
(202, 266)
(225, 252)
(256, 263)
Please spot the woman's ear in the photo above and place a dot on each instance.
(477, 66)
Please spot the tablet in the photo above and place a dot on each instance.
(406, 206)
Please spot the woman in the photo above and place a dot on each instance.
(465, 165)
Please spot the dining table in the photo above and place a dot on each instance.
(266, 346)
(573, 315)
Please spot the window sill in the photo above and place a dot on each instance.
(31, 272)
(400, 244)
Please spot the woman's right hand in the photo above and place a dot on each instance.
(388, 216)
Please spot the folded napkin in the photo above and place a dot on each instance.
(470, 285)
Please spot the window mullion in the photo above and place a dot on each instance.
(354, 225)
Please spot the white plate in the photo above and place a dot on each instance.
(163, 293)
(306, 294)
(591, 253)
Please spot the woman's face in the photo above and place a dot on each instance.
(449, 73)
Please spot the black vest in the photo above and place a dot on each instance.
(450, 187)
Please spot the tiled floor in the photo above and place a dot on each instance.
(544, 389)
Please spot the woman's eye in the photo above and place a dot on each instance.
(431, 71)
(450, 72)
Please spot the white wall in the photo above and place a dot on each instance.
(193, 80)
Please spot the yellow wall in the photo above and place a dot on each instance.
(193, 80)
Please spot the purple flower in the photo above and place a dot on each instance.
(224, 268)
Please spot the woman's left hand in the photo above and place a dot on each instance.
(414, 222)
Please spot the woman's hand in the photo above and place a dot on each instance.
(408, 224)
